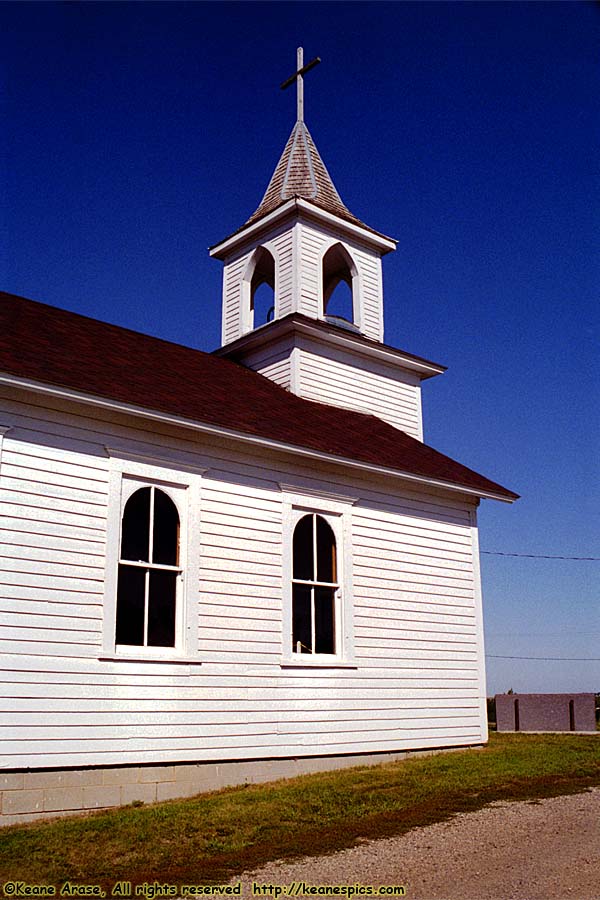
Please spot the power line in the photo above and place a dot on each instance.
(541, 556)
(566, 632)
(548, 658)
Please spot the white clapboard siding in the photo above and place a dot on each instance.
(314, 243)
(222, 711)
(332, 376)
(126, 688)
(29, 489)
(40, 509)
(417, 675)
(225, 725)
(435, 633)
(63, 633)
(312, 246)
(13, 612)
(236, 293)
(369, 264)
(104, 752)
(44, 543)
(273, 365)
(274, 361)
(54, 595)
(252, 575)
(282, 248)
(48, 556)
(233, 273)
(17, 606)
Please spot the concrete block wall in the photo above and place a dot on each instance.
(29, 795)
(546, 712)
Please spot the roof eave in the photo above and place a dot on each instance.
(225, 247)
(299, 205)
(381, 241)
(295, 322)
(63, 393)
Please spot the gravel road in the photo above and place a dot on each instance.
(509, 851)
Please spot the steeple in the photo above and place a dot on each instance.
(303, 293)
(301, 173)
(283, 315)
(301, 242)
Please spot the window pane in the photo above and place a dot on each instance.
(303, 549)
(324, 620)
(135, 535)
(130, 606)
(161, 609)
(165, 547)
(301, 619)
(325, 551)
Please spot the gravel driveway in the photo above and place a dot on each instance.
(508, 851)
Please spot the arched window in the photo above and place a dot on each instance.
(314, 586)
(149, 570)
(262, 289)
(339, 280)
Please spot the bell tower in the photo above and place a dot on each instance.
(301, 243)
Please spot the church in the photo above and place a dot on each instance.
(236, 566)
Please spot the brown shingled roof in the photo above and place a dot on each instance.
(301, 172)
(44, 344)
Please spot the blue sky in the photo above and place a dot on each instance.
(136, 135)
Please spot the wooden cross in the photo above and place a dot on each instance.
(298, 77)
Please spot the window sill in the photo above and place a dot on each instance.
(316, 663)
(132, 656)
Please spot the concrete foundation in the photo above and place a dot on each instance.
(29, 795)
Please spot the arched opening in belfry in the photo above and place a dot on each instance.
(339, 273)
(262, 289)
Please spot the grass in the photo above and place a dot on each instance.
(213, 837)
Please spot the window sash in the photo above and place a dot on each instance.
(145, 565)
(147, 570)
(313, 584)
(178, 475)
(148, 567)
(315, 637)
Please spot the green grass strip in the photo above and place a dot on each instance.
(215, 836)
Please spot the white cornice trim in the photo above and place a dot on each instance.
(314, 493)
(168, 460)
(226, 247)
(219, 431)
(380, 352)
(316, 212)
(273, 331)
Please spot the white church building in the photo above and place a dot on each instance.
(236, 566)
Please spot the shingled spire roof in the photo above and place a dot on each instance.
(301, 172)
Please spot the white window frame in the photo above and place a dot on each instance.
(182, 483)
(246, 310)
(356, 289)
(337, 512)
